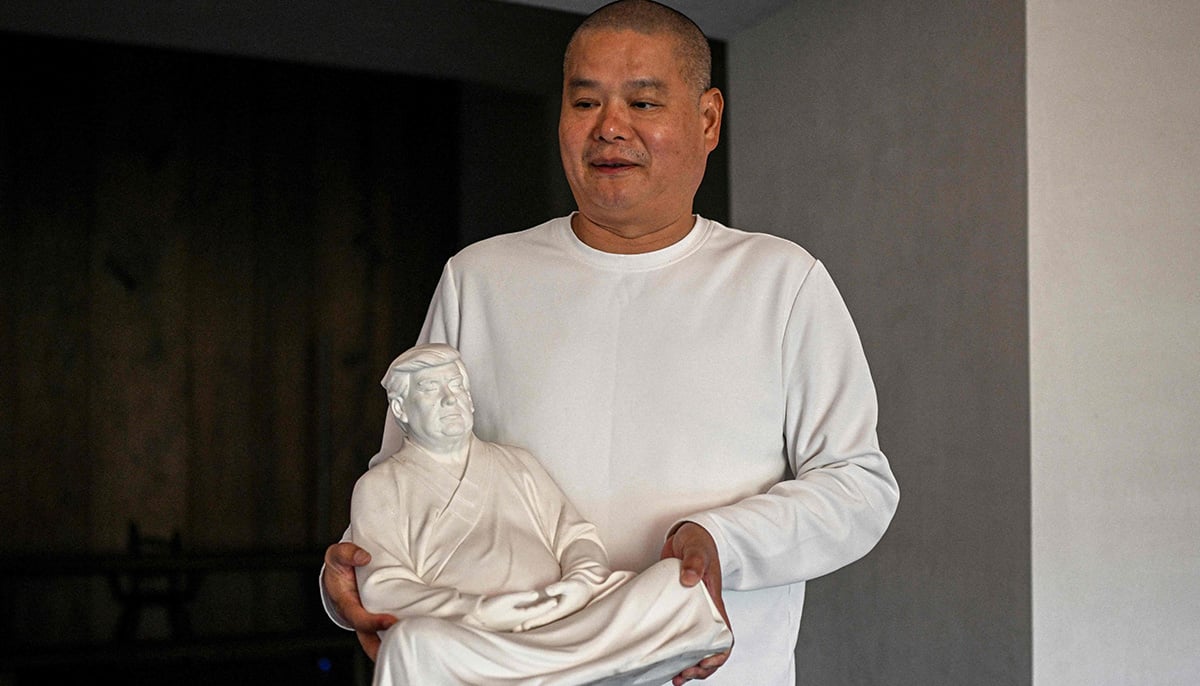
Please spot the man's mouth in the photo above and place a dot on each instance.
(605, 166)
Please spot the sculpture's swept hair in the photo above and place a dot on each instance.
(648, 17)
(395, 381)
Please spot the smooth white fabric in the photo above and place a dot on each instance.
(440, 545)
(688, 383)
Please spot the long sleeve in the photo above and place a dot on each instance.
(720, 378)
(843, 494)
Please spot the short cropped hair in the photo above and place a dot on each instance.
(648, 17)
(396, 380)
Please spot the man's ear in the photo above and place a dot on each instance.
(712, 107)
(396, 405)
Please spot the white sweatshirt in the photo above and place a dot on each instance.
(689, 383)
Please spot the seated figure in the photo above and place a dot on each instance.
(493, 575)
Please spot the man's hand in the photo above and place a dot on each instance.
(342, 587)
(699, 562)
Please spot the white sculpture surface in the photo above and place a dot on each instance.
(493, 575)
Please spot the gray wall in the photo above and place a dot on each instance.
(889, 139)
(1114, 234)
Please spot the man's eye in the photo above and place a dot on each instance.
(643, 105)
(584, 105)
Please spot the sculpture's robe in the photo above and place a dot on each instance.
(438, 543)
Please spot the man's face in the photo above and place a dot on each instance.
(633, 134)
(437, 409)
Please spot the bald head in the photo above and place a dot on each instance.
(650, 18)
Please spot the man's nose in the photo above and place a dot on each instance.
(612, 124)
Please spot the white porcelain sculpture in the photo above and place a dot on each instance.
(493, 575)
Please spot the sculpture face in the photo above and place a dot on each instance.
(437, 408)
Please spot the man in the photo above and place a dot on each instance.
(493, 575)
(745, 432)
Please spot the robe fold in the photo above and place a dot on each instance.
(438, 544)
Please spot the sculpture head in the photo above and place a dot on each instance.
(429, 395)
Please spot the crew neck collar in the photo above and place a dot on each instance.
(638, 261)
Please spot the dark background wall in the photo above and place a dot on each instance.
(207, 262)
(889, 139)
(210, 257)
(216, 230)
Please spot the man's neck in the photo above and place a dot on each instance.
(630, 239)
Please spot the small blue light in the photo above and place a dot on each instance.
(324, 664)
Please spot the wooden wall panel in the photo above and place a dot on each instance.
(46, 210)
(221, 276)
(340, 274)
(8, 315)
(380, 251)
(139, 309)
(207, 263)
(47, 213)
(283, 334)
(185, 237)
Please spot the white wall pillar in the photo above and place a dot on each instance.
(1114, 240)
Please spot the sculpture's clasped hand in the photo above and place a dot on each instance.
(570, 596)
(509, 611)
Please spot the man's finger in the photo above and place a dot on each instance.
(370, 642)
(696, 552)
(342, 587)
(707, 667)
(699, 561)
(368, 627)
(346, 554)
(693, 566)
(362, 620)
(714, 661)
